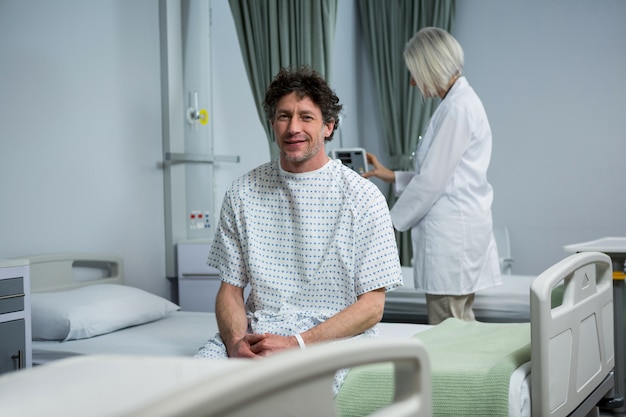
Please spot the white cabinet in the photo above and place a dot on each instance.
(197, 282)
(15, 327)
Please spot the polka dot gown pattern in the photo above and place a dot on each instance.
(309, 243)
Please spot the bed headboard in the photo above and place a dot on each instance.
(572, 342)
(63, 271)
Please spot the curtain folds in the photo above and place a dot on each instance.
(283, 33)
(387, 27)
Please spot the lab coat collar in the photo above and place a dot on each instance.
(460, 84)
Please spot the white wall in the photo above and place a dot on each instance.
(80, 122)
(551, 76)
(80, 132)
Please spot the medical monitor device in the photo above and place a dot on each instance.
(354, 158)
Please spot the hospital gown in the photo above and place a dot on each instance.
(307, 244)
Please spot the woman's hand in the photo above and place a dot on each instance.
(379, 171)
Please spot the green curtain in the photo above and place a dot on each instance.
(387, 27)
(283, 33)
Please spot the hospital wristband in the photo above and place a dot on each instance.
(300, 341)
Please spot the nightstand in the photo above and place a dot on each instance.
(15, 327)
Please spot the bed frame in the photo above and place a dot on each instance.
(572, 344)
(290, 383)
(64, 271)
(298, 383)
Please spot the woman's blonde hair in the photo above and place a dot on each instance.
(433, 57)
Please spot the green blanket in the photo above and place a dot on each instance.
(471, 364)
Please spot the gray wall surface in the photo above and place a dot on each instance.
(551, 76)
(80, 132)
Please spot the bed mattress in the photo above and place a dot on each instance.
(506, 303)
(179, 334)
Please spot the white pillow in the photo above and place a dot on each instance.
(94, 310)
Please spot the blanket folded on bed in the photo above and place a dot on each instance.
(471, 365)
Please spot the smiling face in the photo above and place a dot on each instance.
(300, 133)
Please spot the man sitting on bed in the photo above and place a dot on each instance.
(312, 238)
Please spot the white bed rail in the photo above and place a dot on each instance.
(572, 343)
(64, 271)
(299, 382)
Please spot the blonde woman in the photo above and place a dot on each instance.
(447, 201)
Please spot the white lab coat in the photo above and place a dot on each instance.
(446, 202)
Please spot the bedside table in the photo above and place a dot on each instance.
(15, 326)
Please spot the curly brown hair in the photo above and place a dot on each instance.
(305, 82)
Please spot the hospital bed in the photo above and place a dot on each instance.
(572, 345)
(506, 303)
(80, 305)
(572, 351)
